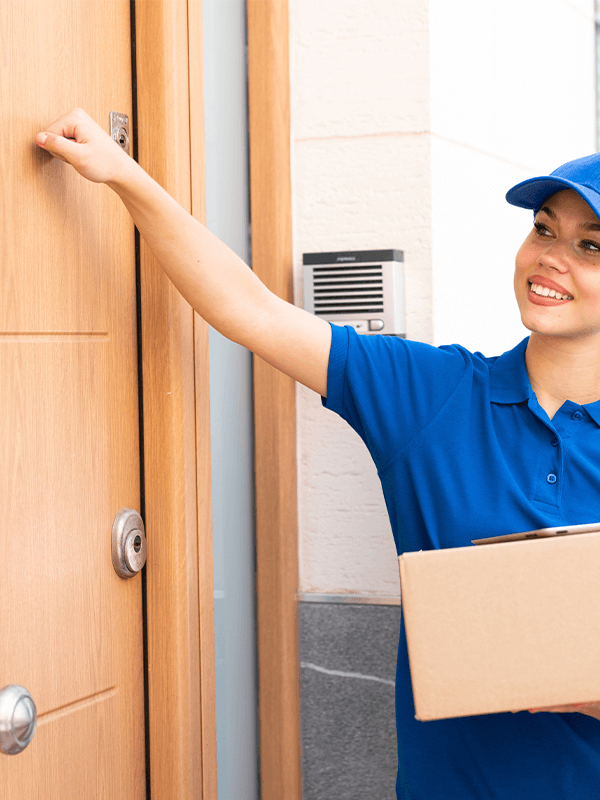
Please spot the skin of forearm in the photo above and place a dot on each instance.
(210, 276)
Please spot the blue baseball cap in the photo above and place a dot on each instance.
(582, 175)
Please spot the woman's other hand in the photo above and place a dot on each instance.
(591, 709)
(78, 140)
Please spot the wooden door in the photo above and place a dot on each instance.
(71, 630)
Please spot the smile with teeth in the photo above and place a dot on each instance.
(544, 291)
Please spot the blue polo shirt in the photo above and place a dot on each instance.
(463, 451)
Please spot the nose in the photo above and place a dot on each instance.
(554, 257)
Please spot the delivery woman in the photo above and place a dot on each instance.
(463, 444)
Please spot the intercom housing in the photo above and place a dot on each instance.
(361, 288)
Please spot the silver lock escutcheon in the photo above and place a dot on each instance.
(128, 543)
(119, 129)
(18, 719)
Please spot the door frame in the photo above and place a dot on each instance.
(181, 711)
(176, 418)
(274, 407)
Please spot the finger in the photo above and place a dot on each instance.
(40, 140)
(560, 709)
(58, 146)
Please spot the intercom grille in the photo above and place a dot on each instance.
(348, 288)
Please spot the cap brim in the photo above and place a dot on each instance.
(533, 192)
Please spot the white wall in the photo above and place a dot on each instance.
(512, 96)
(410, 121)
(360, 180)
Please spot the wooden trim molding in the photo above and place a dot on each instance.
(275, 407)
(182, 725)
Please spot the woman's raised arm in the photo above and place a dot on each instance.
(211, 277)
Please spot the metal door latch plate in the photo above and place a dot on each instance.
(119, 129)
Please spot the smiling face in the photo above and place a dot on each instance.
(557, 269)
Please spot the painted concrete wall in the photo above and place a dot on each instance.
(410, 121)
(360, 180)
(512, 96)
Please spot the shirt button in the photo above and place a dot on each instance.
(551, 478)
(576, 415)
(555, 441)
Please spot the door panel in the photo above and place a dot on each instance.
(69, 449)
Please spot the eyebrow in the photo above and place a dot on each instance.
(586, 226)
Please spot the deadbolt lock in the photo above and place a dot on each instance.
(128, 543)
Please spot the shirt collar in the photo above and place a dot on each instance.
(509, 381)
(593, 410)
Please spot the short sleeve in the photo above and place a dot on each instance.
(388, 389)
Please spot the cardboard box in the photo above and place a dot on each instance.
(503, 627)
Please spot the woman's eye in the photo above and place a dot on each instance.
(587, 244)
(592, 247)
(541, 229)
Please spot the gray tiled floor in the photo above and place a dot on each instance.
(348, 725)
